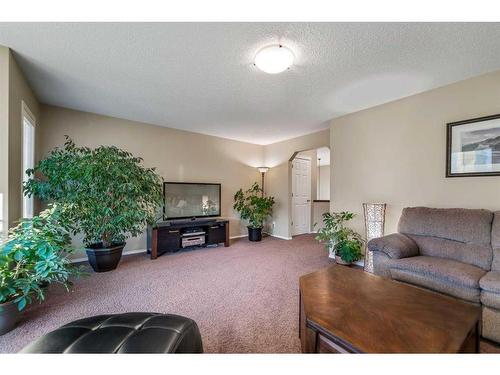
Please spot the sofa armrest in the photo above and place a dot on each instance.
(395, 246)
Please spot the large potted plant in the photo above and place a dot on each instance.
(255, 208)
(343, 243)
(33, 256)
(110, 196)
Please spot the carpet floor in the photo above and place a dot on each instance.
(243, 297)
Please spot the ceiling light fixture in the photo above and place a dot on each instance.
(274, 59)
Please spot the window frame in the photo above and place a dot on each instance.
(27, 115)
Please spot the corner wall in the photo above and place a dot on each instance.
(395, 153)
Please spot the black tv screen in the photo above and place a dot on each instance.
(189, 200)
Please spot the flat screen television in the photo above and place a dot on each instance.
(184, 200)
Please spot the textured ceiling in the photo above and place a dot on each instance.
(200, 77)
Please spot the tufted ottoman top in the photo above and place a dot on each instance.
(136, 332)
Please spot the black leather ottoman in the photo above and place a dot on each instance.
(122, 333)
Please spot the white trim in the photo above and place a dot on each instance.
(3, 230)
(292, 198)
(26, 114)
(360, 262)
(129, 252)
(277, 236)
(238, 236)
(26, 111)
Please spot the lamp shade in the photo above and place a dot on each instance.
(374, 226)
(263, 169)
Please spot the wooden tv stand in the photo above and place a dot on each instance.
(166, 236)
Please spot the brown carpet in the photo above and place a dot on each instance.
(244, 297)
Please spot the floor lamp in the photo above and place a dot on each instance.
(374, 227)
(263, 171)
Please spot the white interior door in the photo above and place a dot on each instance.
(301, 196)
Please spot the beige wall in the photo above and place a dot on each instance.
(13, 91)
(324, 182)
(177, 155)
(395, 153)
(319, 208)
(278, 179)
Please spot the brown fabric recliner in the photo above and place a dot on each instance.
(452, 251)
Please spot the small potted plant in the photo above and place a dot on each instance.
(33, 256)
(110, 196)
(255, 208)
(343, 244)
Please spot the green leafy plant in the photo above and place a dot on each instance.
(252, 206)
(350, 250)
(110, 195)
(344, 241)
(35, 253)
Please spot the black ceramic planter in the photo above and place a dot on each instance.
(104, 259)
(9, 316)
(254, 234)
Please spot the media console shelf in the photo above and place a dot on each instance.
(168, 236)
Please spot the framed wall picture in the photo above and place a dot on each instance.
(473, 147)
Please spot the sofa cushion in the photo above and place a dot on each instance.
(382, 264)
(475, 254)
(491, 324)
(490, 299)
(491, 282)
(458, 224)
(490, 289)
(443, 275)
(394, 245)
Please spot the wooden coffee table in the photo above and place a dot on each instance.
(348, 310)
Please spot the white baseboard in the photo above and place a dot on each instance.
(125, 253)
(277, 236)
(130, 252)
(360, 262)
(238, 236)
(269, 234)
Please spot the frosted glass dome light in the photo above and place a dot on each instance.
(274, 59)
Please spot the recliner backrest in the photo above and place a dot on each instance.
(495, 241)
(454, 233)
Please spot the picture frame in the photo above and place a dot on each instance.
(473, 147)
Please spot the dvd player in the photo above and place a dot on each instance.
(197, 240)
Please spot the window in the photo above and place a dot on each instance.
(28, 155)
(2, 233)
